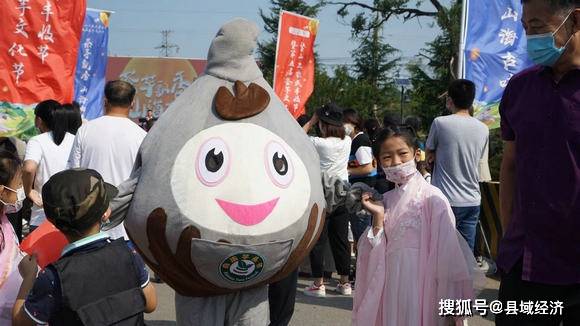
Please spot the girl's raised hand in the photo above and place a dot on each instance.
(373, 207)
(28, 267)
(35, 197)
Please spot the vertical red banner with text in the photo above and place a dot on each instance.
(39, 42)
(294, 71)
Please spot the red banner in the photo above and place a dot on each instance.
(39, 41)
(294, 72)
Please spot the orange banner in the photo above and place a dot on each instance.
(39, 41)
(159, 81)
(294, 71)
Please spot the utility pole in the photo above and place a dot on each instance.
(374, 54)
(165, 47)
(376, 63)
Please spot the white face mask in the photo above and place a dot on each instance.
(401, 173)
(11, 208)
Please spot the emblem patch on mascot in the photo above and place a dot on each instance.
(226, 193)
(242, 267)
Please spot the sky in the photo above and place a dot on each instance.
(136, 25)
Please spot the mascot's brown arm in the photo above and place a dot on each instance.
(177, 270)
(308, 241)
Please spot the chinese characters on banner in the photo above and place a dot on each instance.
(92, 64)
(495, 50)
(38, 51)
(40, 40)
(158, 81)
(294, 72)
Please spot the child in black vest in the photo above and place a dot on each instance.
(96, 281)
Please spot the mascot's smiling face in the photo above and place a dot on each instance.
(215, 169)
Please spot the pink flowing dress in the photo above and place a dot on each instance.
(10, 279)
(418, 259)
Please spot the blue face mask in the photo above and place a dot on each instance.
(542, 47)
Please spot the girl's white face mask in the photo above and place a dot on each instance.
(10, 208)
(401, 173)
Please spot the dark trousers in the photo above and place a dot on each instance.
(282, 297)
(513, 288)
(336, 232)
(358, 225)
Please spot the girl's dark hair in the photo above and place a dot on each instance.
(352, 117)
(405, 132)
(333, 131)
(54, 117)
(9, 165)
(372, 127)
(7, 145)
(74, 120)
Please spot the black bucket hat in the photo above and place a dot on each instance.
(75, 199)
(331, 114)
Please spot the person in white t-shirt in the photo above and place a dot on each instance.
(110, 144)
(334, 150)
(46, 154)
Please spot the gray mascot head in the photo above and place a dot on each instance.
(227, 187)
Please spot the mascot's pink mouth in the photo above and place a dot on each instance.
(247, 215)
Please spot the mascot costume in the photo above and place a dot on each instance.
(226, 194)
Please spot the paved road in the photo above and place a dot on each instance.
(333, 310)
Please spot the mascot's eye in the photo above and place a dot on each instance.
(278, 165)
(212, 162)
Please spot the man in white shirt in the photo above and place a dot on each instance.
(109, 144)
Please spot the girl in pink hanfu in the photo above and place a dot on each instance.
(11, 197)
(412, 257)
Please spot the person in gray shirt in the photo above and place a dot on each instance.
(457, 143)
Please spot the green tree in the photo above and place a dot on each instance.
(374, 63)
(373, 16)
(350, 92)
(374, 60)
(267, 49)
(430, 83)
(384, 10)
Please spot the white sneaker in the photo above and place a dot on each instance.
(486, 265)
(344, 289)
(315, 291)
(482, 264)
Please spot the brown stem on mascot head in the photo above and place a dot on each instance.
(248, 101)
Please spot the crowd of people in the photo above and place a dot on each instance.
(68, 155)
(417, 211)
(413, 241)
(69, 174)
